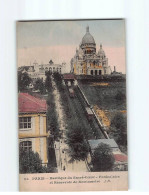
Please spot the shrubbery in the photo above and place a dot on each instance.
(119, 130)
(23, 80)
(102, 159)
(78, 146)
(52, 117)
(39, 85)
(30, 162)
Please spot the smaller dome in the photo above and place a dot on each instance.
(50, 62)
(101, 51)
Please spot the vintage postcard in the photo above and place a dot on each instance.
(72, 114)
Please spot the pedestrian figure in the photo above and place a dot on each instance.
(64, 168)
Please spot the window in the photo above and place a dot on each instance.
(24, 122)
(26, 145)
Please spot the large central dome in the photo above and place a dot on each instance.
(88, 44)
(88, 38)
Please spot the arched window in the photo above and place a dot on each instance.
(26, 145)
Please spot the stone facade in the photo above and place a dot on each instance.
(87, 61)
(38, 70)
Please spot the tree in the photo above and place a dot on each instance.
(23, 80)
(119, 129)
(58, 80)
(52, 117)
(30, 162)
(39, 85)
(102, 158)
(48, 81)
(78, 146)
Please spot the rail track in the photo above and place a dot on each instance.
(77, 106)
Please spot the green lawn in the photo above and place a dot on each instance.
(105, 96)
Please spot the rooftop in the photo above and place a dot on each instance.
(121, 157)
(94, 143)
(30, 104)
(69, 76)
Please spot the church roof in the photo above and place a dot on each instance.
(31, 104)
(88, 38)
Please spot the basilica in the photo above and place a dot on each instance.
(87, 61)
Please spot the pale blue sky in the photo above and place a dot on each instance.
(47, 33)
(58, 40)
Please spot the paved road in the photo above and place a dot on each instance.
(61, 149)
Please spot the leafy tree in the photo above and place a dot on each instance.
(57, 77)
(30, 162)
(39, 85)
(78, 146)
(48, 81)
(52, 117)
(58, 80)
(23, 80)
(102, 158)
(119, 129)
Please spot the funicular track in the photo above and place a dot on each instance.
(78, 104)
(98, 134)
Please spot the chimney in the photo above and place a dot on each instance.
(114, 69)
